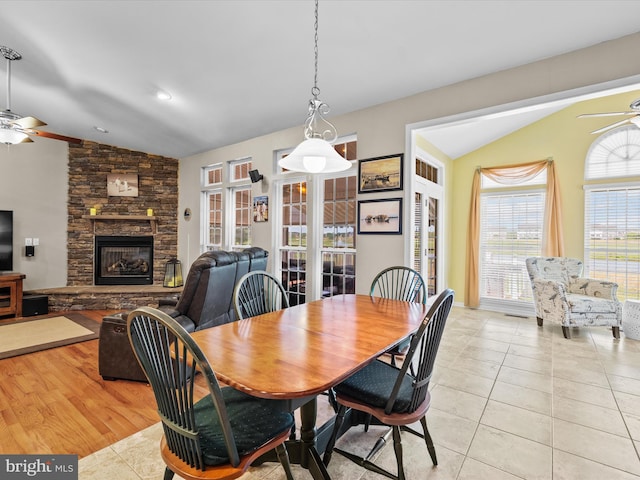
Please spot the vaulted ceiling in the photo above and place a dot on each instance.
(237, 69)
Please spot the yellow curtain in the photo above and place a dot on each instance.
(552, 241)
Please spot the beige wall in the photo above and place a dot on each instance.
(381, 130)
(33, 177)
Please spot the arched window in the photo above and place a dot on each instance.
(612, 210)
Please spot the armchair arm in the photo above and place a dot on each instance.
(550, 299)
(169, 301)
(594, 288)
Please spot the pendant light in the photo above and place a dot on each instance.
(316, 154)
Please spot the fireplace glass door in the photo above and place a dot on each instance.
(124, 260)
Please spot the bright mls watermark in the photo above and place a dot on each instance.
(50, 467)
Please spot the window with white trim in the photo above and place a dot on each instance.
(338, 236)
(612, 211)
(239, 169)
(213, 207)
(241, 217)
(511, 229)
(332, 263)
(226, 206)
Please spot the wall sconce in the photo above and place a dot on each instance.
(255, 175)
(173, 273)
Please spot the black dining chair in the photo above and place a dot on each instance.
(258, 292)
(393, 395)
(399, 283)
(217, 436)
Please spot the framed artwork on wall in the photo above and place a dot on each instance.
(382, 216)
(261, 208)
(122, 184)
(380, 174)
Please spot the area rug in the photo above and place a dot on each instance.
(28, 336)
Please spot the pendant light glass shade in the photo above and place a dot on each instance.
(315, 155)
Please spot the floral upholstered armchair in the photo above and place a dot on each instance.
(561, 295)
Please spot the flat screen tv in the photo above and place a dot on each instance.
(6, 240)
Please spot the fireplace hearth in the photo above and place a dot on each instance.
(123, 260)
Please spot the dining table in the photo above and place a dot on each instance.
(295, 354)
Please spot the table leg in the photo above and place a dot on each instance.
(309, 456)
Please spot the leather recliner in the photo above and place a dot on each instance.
(207, 297)
(206, 301)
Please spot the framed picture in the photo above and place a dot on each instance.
(122, 185)
(380, 174)
(382, 216)
(261, 208)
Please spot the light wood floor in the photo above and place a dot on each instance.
(55, 401)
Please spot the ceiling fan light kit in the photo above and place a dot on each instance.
(13, 127)
(316, 153)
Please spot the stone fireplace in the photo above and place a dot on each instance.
(123, 260)
(117, 216)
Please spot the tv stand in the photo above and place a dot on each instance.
(11, 294)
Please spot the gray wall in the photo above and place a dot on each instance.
(34, 183)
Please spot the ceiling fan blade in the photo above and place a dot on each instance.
(609, 114)
(26, 140)
(55, 136)
(613, 125)
(28, 122)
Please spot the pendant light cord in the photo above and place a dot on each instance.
(315, 91)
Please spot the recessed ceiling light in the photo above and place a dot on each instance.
(101, 129)
(162, 95)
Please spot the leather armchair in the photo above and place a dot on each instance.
(561, 295)
(206, 301)
(207, 297)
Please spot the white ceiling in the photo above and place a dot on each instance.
(240, 69)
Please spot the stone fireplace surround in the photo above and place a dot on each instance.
(89, 164)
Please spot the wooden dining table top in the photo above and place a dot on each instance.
(305, 349)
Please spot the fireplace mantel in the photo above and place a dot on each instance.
(153, 220)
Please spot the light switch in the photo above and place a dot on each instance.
(28, 242)
(36, 242)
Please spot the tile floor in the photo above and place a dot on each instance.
(510, 400)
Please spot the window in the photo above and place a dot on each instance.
(293, 250)
(612, 211)
(614, 154)
(213, 207)
(226, 206)
(215, 215)
(510, 231)
(612, 237)
(241, 221)
(213, 175)
(239, 170)
(426, 170)
(338, 236)
(317, 237)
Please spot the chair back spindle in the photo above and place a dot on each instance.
(399, 283)
(258, 292)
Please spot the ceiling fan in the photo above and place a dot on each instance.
(13, 127)
(634, 113)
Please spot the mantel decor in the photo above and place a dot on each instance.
(380, 174)
(122, 185)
